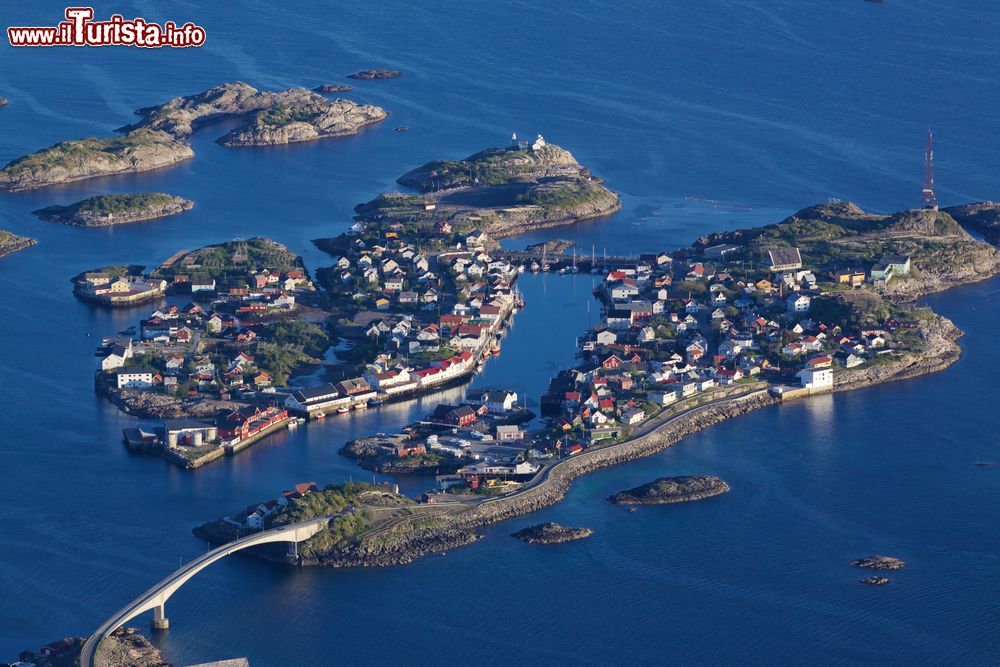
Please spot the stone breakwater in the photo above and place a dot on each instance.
(458, 529)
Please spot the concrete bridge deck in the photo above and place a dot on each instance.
(156, 597)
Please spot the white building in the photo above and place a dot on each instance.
(134, 377)
(798, 303)
(816, 378)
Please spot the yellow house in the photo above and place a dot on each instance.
(764, 286)
(852, 278)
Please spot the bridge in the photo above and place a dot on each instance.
(155, 598)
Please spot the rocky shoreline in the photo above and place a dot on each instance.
(10, 243)
(668, 490)
(940, 351)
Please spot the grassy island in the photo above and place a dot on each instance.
(116, 209)
(12, 242)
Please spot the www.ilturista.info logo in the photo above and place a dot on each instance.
(79, 29)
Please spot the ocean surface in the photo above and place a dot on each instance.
(704, 115)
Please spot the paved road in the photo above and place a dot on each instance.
(653, 425)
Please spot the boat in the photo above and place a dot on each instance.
(343, 410)
(375, 401)
(363, 405)
(293, 424)
(127, 332)
(534, 267)
(496, 349)
(321, 415)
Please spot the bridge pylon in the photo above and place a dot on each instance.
(160, 620)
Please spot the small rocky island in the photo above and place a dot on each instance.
(369, 74)
(116, 209)
(332, 88)
(551, 533)
(879, 563)
(318, 119)
(12, 243)
(672, 490)
(875, 581)
(140, 150)
(3, 101)
(500, 191)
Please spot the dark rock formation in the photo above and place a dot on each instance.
(551, 533)
(332, 88)
(672, 490)
(368, 74)
(879, 563)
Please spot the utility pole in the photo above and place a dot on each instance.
(928, 200)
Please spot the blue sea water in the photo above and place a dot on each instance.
(704, 115)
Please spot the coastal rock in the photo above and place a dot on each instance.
(368, 74)
(303, 122)
(984, 217)
(333, 88)
(3, 101)
(127, 647)
(141, 150)
(939, 351)
(672, 490)
(875, 581)
(879, 563)
(495, 165)
(12, 243)
(116, 209)
(551, 533)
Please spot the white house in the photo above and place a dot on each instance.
(798, 303)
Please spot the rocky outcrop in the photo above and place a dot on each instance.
(12, 243)
(149, 405)
(127, 647)
(875, 581)
(551, 533)
(3, 101)
(939, 351)
(304, 122)
(121, 209)
(495, 166)
(672, 490)
(332, 88)
(368, 74)
(984, 217)
(141, 150)
(501, 223)
(183, 115)
(879, 563)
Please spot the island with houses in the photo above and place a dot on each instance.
(418, 298)
(820, 302)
